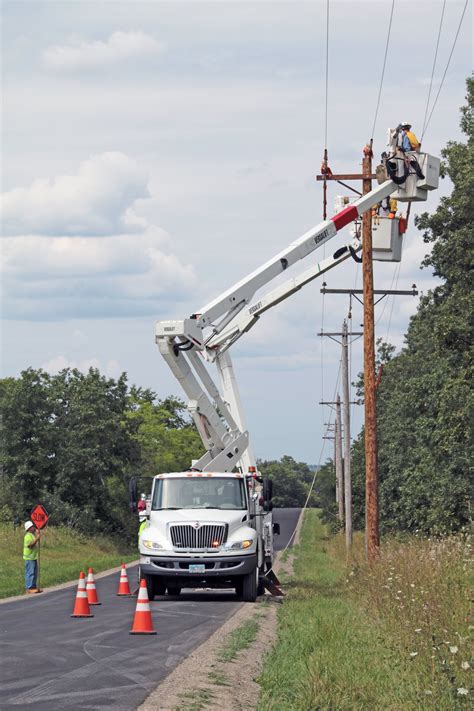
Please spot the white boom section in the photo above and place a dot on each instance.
(240, 294)
(242, 323)
(183, 344)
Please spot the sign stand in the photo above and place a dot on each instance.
(40, 517)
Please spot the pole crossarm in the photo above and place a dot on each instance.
(346, 176)
(382, 292)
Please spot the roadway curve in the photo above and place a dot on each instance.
(51, 662)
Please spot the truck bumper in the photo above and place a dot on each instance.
(177, 569)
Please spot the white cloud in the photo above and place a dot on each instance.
(98, 200)
(52, 278)
(119, 47)
(75, 247)
(111, 369)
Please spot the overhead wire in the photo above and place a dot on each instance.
(383, 69)
(446, 68)
(433, 68)
(318, 465)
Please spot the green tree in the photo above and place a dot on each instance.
(291, 480)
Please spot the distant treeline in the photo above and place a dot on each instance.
(72, 441)
(424, 400)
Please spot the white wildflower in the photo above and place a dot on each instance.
(453, 649)
(412, 585)
(428, 692)
(413, 654)
(418, 630)
(465, 666)
(462, 691)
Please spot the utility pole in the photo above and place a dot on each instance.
(338, 460)
(346, 424)
(347, 437)
(371, 470)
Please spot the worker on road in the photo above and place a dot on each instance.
(30, 556)
(141, 506)
(142, 517)
(407, 141)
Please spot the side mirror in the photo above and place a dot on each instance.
(267, 489)
(133, 494)
(276, 529)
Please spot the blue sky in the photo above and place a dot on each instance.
(154, 153)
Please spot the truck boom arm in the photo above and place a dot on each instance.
(211, 331)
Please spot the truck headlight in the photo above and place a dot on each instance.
(239, 545)
(151, 544)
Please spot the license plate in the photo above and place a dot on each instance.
(197, 568)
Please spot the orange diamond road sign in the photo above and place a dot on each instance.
(39, 516)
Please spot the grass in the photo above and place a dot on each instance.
(194, 700)
(241, 638)
(346, 643)
(64, 554)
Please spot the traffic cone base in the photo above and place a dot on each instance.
(142, 621)
(81, 606)
(124, 587)
(91, 589)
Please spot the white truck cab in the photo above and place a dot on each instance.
(203, 531)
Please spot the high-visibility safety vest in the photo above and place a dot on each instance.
(143, 525)
(29, 553)
(414, 142)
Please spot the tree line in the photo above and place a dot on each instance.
(424, 400)
(72, 441)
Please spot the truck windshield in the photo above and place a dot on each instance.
(197, 493)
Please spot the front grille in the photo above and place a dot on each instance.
(185, 537)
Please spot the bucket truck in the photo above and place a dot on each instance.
(211, 526)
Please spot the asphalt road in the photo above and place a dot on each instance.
(51, 662)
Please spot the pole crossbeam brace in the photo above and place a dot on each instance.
(383, 292)
(397, 292)
(345, 176)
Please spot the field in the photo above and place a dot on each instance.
(389, 636)
(64, 554)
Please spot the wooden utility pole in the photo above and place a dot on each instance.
(371, 471)
(338, 460)
(347, 436)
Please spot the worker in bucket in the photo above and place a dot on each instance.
(30, 556)
(407, 141)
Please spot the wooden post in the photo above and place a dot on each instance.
(347, 437)
(338, 459)
(371, 473)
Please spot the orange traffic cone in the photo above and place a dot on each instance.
(91, 589)
(81, 607)
(142, 622)
(124, 587)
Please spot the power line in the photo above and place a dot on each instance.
(434, 65)
(383, 68)
(447, 67)
(327, 77)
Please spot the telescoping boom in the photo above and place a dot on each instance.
(209, 332)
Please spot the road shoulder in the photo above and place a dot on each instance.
(207, 679)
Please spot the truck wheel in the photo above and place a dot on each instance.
(159, 588)
(150, 587)
(173, 590)
(249, 586)
(260, 585)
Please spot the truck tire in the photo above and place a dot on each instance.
(249, 586)
(174, 590)
(159, 588)
(150, 586)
